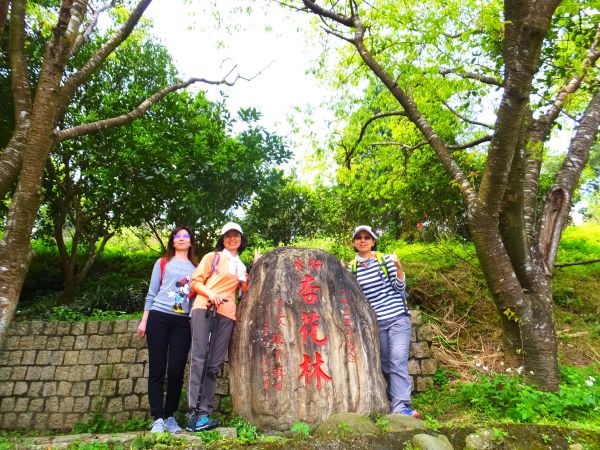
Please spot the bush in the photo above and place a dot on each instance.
(501, 395)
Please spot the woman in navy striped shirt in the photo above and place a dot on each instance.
(383, 283)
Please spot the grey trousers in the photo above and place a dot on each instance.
(218, 351)
(394, 335)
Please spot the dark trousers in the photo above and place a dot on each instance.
(169, 337)
(218, 352)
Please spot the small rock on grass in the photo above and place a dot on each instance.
(344, 424)
(402, 422)
(429, 442)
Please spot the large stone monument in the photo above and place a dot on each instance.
(305, 344)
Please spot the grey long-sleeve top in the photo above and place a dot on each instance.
(172, 295)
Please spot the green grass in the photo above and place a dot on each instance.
(502, 398)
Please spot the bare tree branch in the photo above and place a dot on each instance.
(78, 11)
(94, 127)
(19, 79)
(287, 5)
(471, 121)
(91, 25)
(472, 76)
(157, 235)
(578, 263)
(336, 17)
(12, 155)
(387, 144)
(550, 101)
(471, 144)
(79, 77)
(399, 144)
(337, 34)
(572, 85)
(363, 129)
(464, 146)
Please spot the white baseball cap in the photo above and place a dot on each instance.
(231, 226)
(364, 228)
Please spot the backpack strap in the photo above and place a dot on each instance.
(163, 263)
(353, 264)
(380, 260)
(214, 267)
(382, 264)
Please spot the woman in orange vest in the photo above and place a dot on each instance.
(217, 280)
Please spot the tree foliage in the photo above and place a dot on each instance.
(283, 211)
(53, 49)
(483, 86)
(180, 164)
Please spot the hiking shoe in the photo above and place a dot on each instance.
(158, 426)
(171, 425)
(410, 412)
(202, 424)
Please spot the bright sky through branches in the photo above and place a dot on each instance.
(202, 49)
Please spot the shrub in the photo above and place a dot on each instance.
(301, 428)
(502, 395)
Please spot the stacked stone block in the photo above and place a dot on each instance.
(54, 374)
(421, 364)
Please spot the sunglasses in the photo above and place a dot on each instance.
(178, 236)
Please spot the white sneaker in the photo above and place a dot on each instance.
(158, 426)
(171, 425)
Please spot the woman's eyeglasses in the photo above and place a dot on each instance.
(179, 236)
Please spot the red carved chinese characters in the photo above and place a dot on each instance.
(264, 335)
(265, 372)
(271, 341)
(308, 291)
(316, 372)
(278, 376)
(280, 313)
(315, 264)
(349, 345)
(312, 322)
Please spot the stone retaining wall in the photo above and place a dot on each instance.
(53, 374)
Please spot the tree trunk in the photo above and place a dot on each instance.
(305, 344)
(69, 288)
(540, 347)
(15, 247)
(528, 328)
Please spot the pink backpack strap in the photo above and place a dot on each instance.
(214, 267)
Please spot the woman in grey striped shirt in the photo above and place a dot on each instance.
(382, 280)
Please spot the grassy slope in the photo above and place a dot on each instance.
(446, 284)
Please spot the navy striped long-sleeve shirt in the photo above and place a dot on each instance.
(384, 294)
